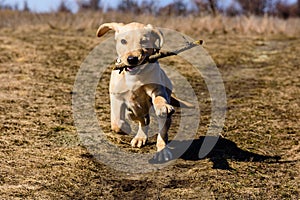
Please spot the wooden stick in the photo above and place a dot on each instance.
(161, 54)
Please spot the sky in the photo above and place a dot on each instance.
(51, 5)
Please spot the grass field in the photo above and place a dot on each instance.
(41, 156)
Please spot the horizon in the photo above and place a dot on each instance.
(52, 5)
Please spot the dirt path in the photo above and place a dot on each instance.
(41, 156)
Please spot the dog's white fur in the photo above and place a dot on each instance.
(134, 91)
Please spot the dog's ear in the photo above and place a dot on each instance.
(157, 35)
(104, 28)
(160, 37)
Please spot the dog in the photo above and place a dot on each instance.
(140, 85)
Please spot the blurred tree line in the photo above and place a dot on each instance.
(183, 8)
(200, 7)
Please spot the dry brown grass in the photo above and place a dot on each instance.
(190, 24)
(41, 156)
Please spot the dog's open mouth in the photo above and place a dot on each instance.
(134, 62)
(131, 68)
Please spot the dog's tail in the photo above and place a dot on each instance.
(180, 103)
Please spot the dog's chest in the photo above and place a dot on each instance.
(138, 100)
(132, 91)
(147, 74)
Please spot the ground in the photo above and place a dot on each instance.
(42, 157)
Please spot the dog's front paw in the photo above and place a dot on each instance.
(164, 110)
(138, 141)
(162, 156)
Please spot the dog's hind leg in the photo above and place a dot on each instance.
(117, 116)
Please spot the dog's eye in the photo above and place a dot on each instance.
(123, 41)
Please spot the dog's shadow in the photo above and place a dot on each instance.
(222, 151)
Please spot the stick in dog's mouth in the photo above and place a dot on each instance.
(118, 65)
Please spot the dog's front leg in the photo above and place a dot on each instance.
(163, 152)
(163, 111)
(162, 107)
(117, 115)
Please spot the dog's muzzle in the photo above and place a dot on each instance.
(133, 60)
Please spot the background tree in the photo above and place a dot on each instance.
(89, 5)
(298, 8)
(256, 7)
(178, 7)
(4, 6)
(232, 10)
(63, 7)
(26, 7)
(129, 6)
(206, 6)
(150, 7)
(213, 7)
(285, 11)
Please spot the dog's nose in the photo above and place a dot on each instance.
(133, 60)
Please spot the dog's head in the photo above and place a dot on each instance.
(135, 41)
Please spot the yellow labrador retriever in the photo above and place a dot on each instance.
(141, 85)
